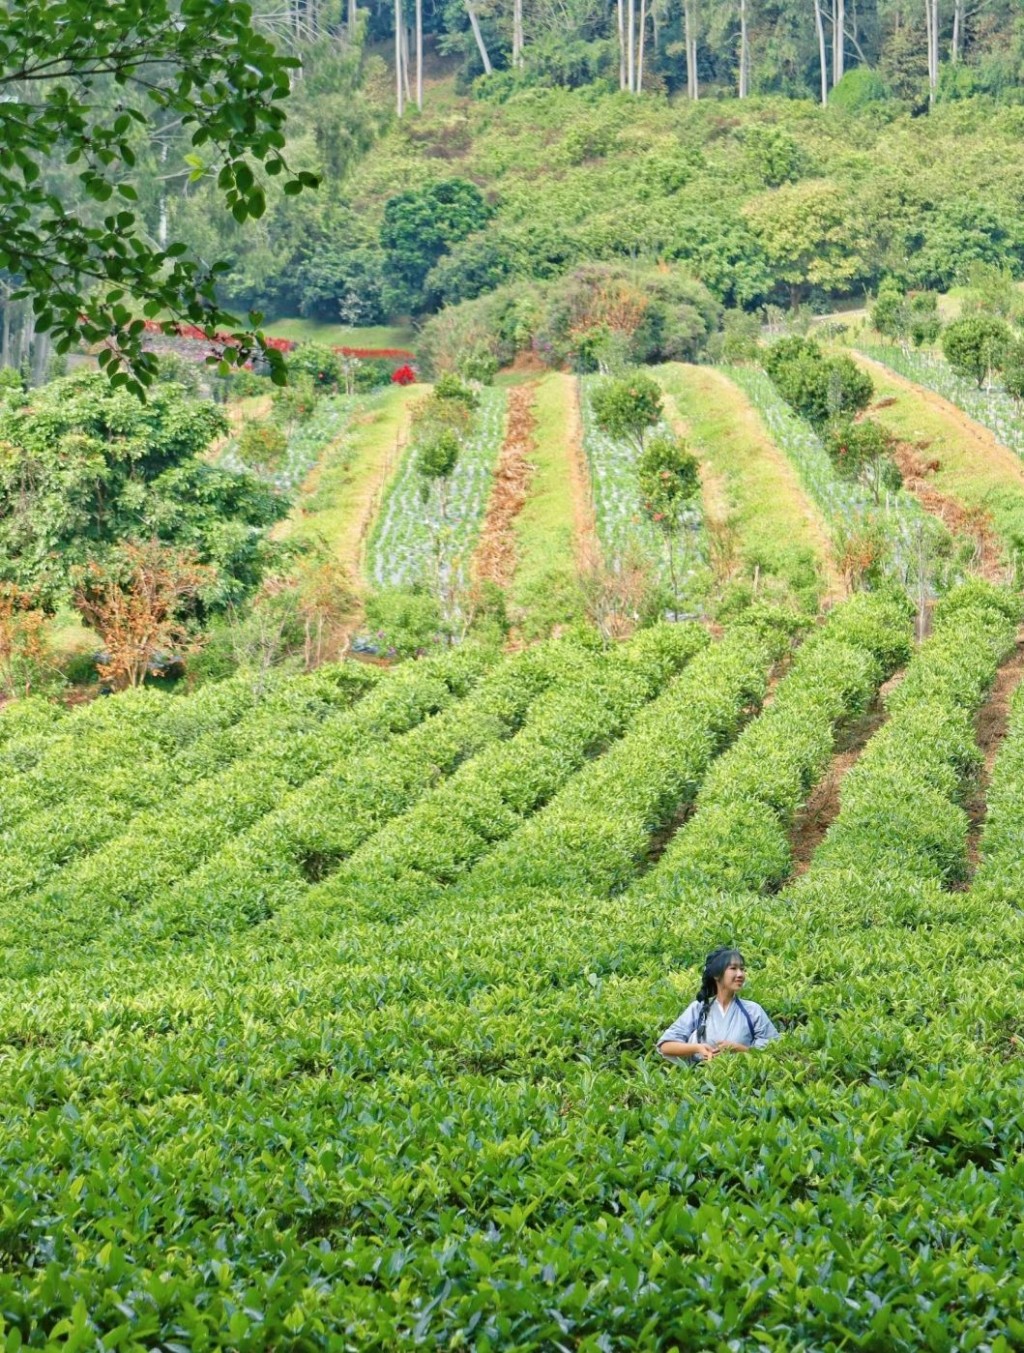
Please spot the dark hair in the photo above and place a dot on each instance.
(714, 967)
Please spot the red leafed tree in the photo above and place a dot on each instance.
(138, 602)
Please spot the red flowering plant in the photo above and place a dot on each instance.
(403, 375)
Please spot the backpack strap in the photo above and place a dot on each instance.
(746, 1016)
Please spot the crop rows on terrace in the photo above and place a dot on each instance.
(307, 440)
(410, 542)
(738, 837)
(993, 408)
(844, 503)
(450, 1127)
(237, 777)
(624, 530)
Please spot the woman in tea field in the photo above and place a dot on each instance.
(718, 1021)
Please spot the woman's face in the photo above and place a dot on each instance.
(731, 981)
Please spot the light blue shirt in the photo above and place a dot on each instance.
(723, 1026)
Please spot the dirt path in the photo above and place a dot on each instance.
(975, 524)
(584, 534)
(990, 727)
(496, 554)
(822, 808)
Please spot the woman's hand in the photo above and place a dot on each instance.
(706, 1050)
(726, 1046)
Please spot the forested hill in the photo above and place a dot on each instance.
(765, 199)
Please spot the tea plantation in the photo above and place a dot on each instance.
(335, 1028)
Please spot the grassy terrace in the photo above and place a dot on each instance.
(974, 469)
(339, 498)
(544, 586)
(777, 528)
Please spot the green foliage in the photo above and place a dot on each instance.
(858, 89)
(669, 479)
(438, 457)
(85, 466)
(817, 388)
(105, 78)
(628, 407)
(976, 346)
(863, 451)
(262, 446)
(419, 226)
(317, 361)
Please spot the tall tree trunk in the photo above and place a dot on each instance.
(640, 47)
(690, 35)
(931, 23)
(405, 63)
(517, 33)
(399, 82)
(822, 58)
(744, 52)
(622, 44)
(419, 54)
(475, 24)
(351, 24)
(956, 46)
(838, 46)
(630, 45)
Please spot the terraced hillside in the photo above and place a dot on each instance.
(363, 985)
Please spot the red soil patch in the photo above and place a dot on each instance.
(496, 554)
(972, 524)
(822, 808)
(990, 726)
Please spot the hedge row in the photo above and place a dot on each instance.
(596, 833)
(489, 799)
(738, 835)
(901, 809)
(1000, 875)
(112, 777)
(319, 827)
(162, 845)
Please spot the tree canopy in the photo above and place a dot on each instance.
(83, 88)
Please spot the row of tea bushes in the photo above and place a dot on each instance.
(596, 833)
(231, 1151)
(738, 836)
(319, 827)
(183, 738)
(161, 845)
(488, 799)
(901, 804)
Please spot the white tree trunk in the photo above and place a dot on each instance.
(622, 44)
(838, 46)
(351, 18)
(822, 58)
(517, 33)
(630, 45)
(399, 82)
(475, 24)
(744, 52)
(419, 54)
(690, 35)
(640, 47)
(931, 23)
(405, 63)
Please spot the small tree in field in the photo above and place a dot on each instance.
(24, 649)
(627, 408)
(137, 602)
(669, 481)
(1013, 370)
(976, 346)
(863, 452)
(890, 313)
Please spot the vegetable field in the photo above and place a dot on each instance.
(328, 1005)
(410, 541)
